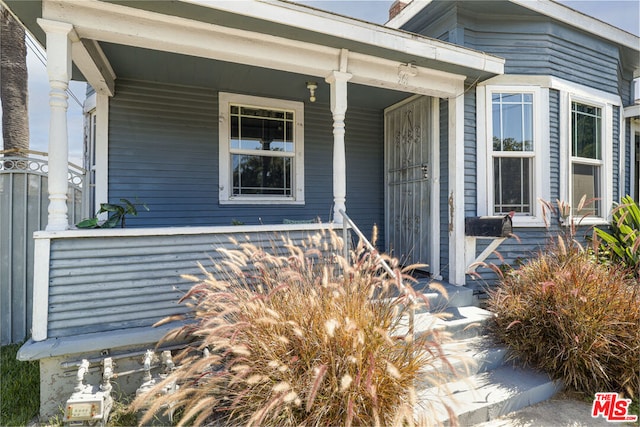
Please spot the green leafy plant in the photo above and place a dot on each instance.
(575, 318)
(304, 338)
(116, 215)
(622, 243)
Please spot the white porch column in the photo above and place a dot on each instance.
(338, 81)
(457, 265)
(59, 71)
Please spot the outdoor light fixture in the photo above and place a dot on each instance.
(312, 86)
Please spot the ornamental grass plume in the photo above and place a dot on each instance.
(302, 338)
(572, 317)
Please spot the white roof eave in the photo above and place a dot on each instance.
(359, 31)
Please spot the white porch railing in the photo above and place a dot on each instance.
(349, 222)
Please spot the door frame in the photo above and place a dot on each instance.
(434, 190)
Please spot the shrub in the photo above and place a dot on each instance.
(572, 317)
(623, 243)
(299, 339)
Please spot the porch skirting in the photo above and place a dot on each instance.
(92, 281)
(98, 293)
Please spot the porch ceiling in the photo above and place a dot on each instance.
(152, 65)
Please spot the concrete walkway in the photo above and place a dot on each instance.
(566, 409)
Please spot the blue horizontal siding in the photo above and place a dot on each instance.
(547, 49)
(628, 138)
(616, 154)
(470, 154)
(531, 44)
(163, 151)
(160, 150)
(530, 242)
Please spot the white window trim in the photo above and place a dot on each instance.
(583, 96)
(225, 196)
(579, 92)
(100, 103)
(540, 159)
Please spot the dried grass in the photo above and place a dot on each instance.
(302, 338)
(578, 320)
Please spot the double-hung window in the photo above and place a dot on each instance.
(586, 158)
(261, 150)
(510, 139)
(512, 152)
(544, 138)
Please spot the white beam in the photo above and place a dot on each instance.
(94, 65)
(380, 72)
(102, 152)
(456, 191)
(40, 309)
(115, 24)
(338, 82)
(362, 32)
(59, 72)
(435, 191)
(473, 261)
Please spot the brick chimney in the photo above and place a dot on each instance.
(396, 7)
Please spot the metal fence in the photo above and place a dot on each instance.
(23, 210)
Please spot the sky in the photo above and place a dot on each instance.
(624, 14)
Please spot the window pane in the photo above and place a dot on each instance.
(261, 129)
(512, 128)
(235, 132)
(497, 124)
(512, 185)
(586, 181)
(511, 98)
(512, 122)
(527, 126)
(262, 175)
(262, 112)
(585, 131)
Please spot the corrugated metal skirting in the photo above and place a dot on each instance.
(100, 284)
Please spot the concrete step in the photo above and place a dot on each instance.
(464, 358)
(458, 296)
(459, 322)
(480, 387)
(485, 396)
